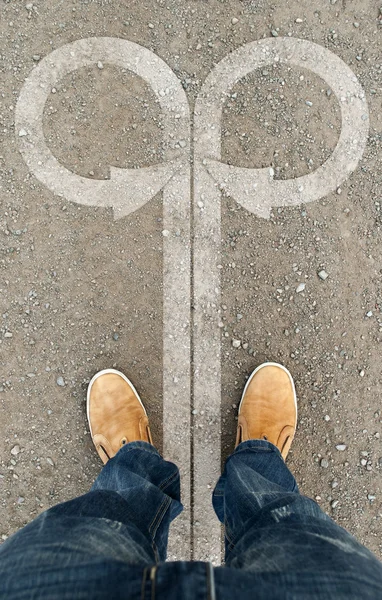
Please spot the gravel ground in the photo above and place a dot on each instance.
(80, 291)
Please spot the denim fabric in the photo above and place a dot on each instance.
(111, 543)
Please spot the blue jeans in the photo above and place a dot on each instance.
(111, 543)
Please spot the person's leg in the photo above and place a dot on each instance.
(124, 518)
(270, 528)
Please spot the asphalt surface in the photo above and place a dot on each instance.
(81, 288)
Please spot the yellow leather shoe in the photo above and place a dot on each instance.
(115, 412)
(268, 407)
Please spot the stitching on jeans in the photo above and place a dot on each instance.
(230, 540)
(261, 448)
(159, 516)
(153, 534)
(153, 573)
(156, 553)
(208, 582)
(157, 513)
(211, 581)
(167, 481)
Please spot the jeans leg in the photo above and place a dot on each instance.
(271, 527)
(150, 487)
(125, 517)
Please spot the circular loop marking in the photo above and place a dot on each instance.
(127, 189)
(255, 189)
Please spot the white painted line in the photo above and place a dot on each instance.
(258, 192)
(126, 191)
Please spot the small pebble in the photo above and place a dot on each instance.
(60, 381)
(234, 21)
(20, 500)
(115, 336)
(236, 343)
(341, 447)
(274, 33)
(362, 373)
(335, 503)
(50, 462)
(299, 20)
(369, 313)
(8, 334)
(15, 450)
(308, 103)
(22, 133)
(324, 463)
(165, 233)
(300, 288)
(100, 64)
(323, 275)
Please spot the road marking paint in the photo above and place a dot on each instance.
(256, 189)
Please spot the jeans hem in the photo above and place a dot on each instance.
(261, 445)
(139, 445)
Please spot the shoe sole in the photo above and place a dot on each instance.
(105, 372)
(270, 364)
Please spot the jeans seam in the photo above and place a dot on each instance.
(153, 527)
(230, 540)
(167, 481)
(210, 582)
